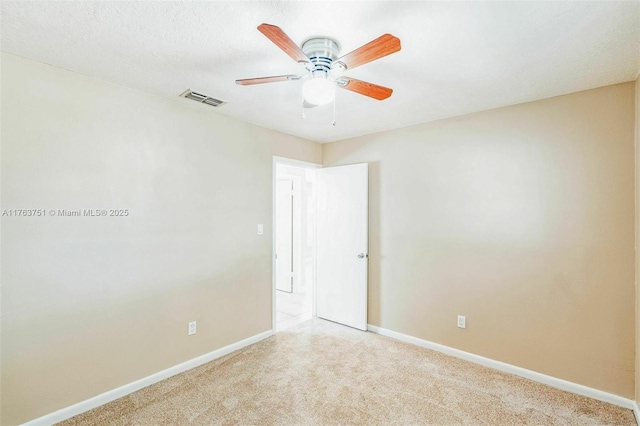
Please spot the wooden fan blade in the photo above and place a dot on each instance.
(261, 80)
(367, 89)
(376, 49)
(280, 39)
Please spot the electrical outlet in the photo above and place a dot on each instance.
(192, 328)
(462, 321)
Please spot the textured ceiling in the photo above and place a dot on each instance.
(456, 57)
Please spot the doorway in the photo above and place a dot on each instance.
(294, 246)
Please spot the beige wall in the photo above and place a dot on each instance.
(90, 304)
(520, 218)
(637, 157)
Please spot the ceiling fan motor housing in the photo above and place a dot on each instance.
(321, 52)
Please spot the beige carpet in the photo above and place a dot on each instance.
(320, 373)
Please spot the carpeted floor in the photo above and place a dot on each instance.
(321, 373)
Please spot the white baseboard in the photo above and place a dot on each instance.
(96, 401)
(518, 371)
(636, 412)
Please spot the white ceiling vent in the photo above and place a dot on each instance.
(202, 98)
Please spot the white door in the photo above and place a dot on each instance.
(284, 235)
(342, 245)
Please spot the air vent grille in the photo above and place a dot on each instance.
(213, 102)
(198, 97)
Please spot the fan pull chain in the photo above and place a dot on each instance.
(334, 111)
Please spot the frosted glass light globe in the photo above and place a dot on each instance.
(319, 91)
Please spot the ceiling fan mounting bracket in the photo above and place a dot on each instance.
(338, 66)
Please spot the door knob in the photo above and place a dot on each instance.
(362, 256)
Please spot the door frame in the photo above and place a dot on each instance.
(289, 162)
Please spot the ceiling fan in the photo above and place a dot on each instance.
(324, 68)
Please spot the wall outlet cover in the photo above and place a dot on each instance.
(462, 321)
(192, 328)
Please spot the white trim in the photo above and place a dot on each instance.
(636, 412)
(512, 369)
(96, 401)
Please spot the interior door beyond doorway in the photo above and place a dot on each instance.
(284, 235)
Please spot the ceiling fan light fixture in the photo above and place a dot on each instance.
(318, 90)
